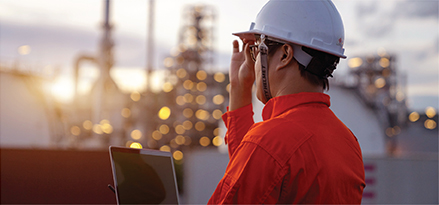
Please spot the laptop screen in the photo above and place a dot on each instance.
(143, 176)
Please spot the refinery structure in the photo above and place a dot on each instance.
(184, 115)
(184, 112)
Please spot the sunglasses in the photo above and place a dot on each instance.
(254, 49)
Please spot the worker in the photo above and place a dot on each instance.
(301, 152)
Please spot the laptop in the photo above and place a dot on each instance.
(143, 176)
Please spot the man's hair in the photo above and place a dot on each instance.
(320, 68)
(327, 64)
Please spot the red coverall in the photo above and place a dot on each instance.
(300, 153)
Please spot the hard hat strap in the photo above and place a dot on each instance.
(263, 50)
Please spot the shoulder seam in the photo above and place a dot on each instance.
(266, 151)
(308, 135)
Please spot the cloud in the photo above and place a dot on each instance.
(366, 9)
(378, 19)
(416, 9)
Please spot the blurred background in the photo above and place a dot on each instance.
(79, 76)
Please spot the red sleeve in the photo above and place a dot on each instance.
(251, 177)
(237, 123)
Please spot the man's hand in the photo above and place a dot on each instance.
(242, 76)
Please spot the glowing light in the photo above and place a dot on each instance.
(180, 100)
(75, 130)
(168, 62)
(216, 131)
(188, 84)
(228, 87)
(217, 141)
(128, 143)
(180, 60)
(174, 52)
(182, 47)
(157, 78)
(389, 132)
(164, 129)
(201, 99)
(200, 126)
(413, 117)
(400, 96)
(187, 125)
(106, 128)
(181, 73)
(173, 79)
(205, 42)
(24, 50)
(201, 75)
(178, 155)
(180, 140)
(180, 129)
(136, 134)
(165, 148)
(88, 125)
(104, 121)
(201, 86)
(126, 112)
(97, 129)
(396, 130)
(392, 131)
(355, 62)
(217, 114)
(219, 77)
(129, 79)
(204, 141)
(187, 112)
(63, 89)
(164, 113)
(136, 145)
(381, 52)
(380, 83)
(202, 114)
(188, 98)
(430, 124)
(167, 87)
(430, 112)
(135, 96)
(192, 40)
(218, 99)
(384, 62)
(156, 135)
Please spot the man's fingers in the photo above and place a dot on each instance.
(235, 46)
(246, 50)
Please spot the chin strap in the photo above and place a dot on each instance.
(263, 50)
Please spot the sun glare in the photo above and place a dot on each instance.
(129, 80)
(63, 89)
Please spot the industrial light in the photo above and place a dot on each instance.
(164, 113)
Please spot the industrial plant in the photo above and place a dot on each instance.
(178, 108)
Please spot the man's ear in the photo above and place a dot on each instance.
(287, 55)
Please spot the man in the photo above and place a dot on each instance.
(301, 152)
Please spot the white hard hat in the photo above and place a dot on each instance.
(314, 24)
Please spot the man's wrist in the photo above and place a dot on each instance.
(239, 98)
